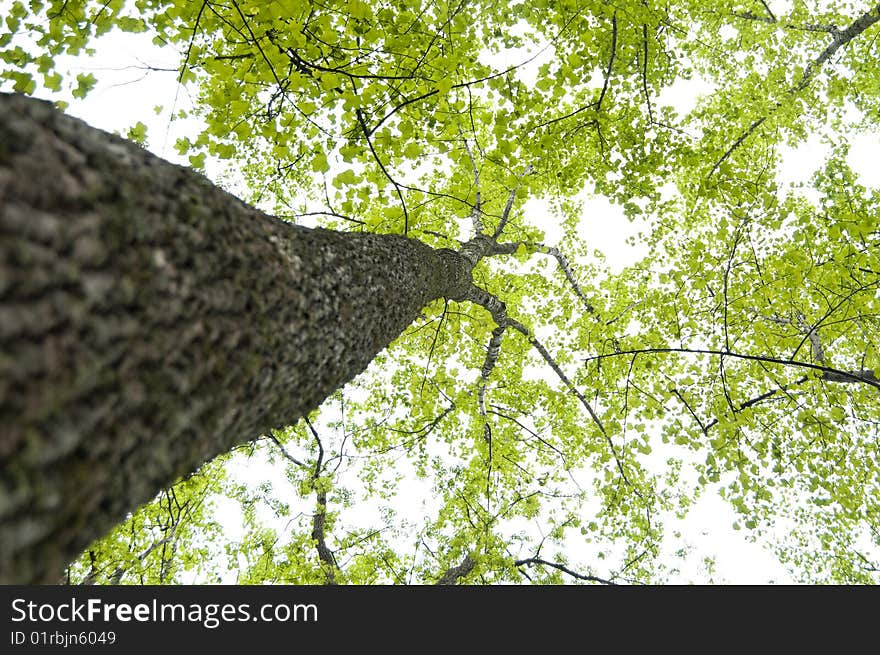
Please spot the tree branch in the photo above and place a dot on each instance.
(476, 209)
(537, 561)
(284, 452)
(505, 216)
(689, 409)
(455, 573)
(498, 310)
(736, 144)
(319, 521)
(492, 353)
(511, 247)
(360, 117)
(754, 401)
(645, 72)
(841, 38)
(610, 61)
(828, 374)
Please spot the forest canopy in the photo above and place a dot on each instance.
(556, 439)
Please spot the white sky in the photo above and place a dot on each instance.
(127, 93)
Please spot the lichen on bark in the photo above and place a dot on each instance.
(149, 321)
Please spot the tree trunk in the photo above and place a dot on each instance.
(150, 321)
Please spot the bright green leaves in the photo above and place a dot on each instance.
(197, 161)
(182, 146)
(522, 253)
(786, 279)
(412, 150)
(444, 85)
(137, 133)
(346, 178)
(22, 82)
(84, 83)
(52, 81)
(16, 12)
(353, 110)
(320, 164)
(330, 81)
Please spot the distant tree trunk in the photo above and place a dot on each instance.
(150, 321)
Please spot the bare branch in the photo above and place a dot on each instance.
(772, 20)
(689, 409)
(564, 266)
(492, 353)
(519, 327)
(748, 15)
(756, 400)
(319, 521)
(868, 376)
(360, 117)
(827, 373)
(534, 434)
(505, 216)
(645, 72)
(427, 428)
(512, 247)
(460, 85)
(537, 561)
(434, 344)
(330, 213)
(284, 452)
(736, 144)
(498, 310)
(610, 61)
(562, 118)
(282, 89)
(830, 29)
(812, 334)
(477, 208)
(597, 105)
(115, 577)
(195, 31)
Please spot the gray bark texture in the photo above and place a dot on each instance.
(150, 321)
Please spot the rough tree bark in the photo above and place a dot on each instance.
(150, 321)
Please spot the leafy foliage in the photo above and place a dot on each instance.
(739, 356)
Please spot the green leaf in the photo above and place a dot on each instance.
(138, 133)
(320, 164)
(444, 85)
(24, 83)
(52, 81)
(197, 161)
(85, 82)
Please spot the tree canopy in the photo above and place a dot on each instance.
(553, 436)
